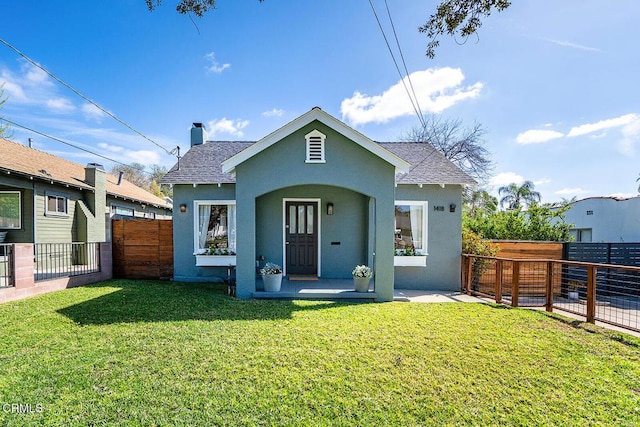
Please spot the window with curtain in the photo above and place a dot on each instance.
(411, 228)
(215, 228)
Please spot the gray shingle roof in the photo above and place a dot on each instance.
(202, 164)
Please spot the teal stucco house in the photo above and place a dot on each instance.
(318, 198)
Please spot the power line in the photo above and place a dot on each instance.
(415, 108)
(66, 143)
(403, 61)
(35, 64)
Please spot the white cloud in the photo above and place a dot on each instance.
(542, 182)
(537, 136)
(60, 105)
(93, 112)
(276, 112)
(110, 147)
(622, 195)
(437, 89)
(506, 178)
(145, 157)
(571, 192)
(603, 125)
(224, 125)
(214, 66)
(572, 45)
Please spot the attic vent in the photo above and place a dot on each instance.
(315, 147)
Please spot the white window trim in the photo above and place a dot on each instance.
(284, 232)
(47, 212)
(315, 134)
(196, 234)
(425, 222)
(19, 227)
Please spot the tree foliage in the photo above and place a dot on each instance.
(516, 196)
(458, 18)
(464, 146)
(539, 222)
(197, 7)
(135, 173)
(479, 202)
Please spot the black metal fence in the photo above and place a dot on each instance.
(55, 260)
(6, 265)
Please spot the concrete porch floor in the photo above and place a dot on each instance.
(321, 289)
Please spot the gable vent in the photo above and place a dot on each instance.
(315, 147)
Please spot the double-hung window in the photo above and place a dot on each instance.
(215, 227)
(411, 228)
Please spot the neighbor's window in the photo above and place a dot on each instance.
(10, 210)
(56, 205)
(122, 211)
(215, 232)
(411, 228)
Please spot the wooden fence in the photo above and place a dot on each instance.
(142, 248)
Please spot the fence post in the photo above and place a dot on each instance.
(498, 285)
(469, 274)
(516, 284)
(591, 294)
(549, 288)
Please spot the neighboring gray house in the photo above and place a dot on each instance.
(605, 219)
(318, 198)
(47, 199)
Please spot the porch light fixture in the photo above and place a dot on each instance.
(329, 208)
(183, 207)
(452, 207)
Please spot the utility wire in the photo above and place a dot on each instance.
(84, 97)
(415, 108)
(403, 61)
(66, 143)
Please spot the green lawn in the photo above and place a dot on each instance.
(158, 353)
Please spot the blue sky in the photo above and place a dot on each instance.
(555, 82)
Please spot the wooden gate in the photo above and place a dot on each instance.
(142, 248)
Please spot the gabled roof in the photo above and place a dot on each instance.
(228, 166)
(30, 163)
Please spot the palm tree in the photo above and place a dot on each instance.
(515, 196)
(480, 200)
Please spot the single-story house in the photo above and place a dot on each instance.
(318, 198)
(47, 199)
(605, 219)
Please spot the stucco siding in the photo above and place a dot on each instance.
(609, 220)
(184, 260)
(343, 235)
(444, 237)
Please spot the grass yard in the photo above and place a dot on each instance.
(160, 353)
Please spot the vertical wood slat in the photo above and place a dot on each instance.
(498, 291)
(469, 274)
(591, 294)
(515, 292)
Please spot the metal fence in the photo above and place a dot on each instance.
(53, 260)
(6, 265)
(604, 292)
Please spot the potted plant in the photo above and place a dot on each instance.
(271, 277)
(362, 277)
